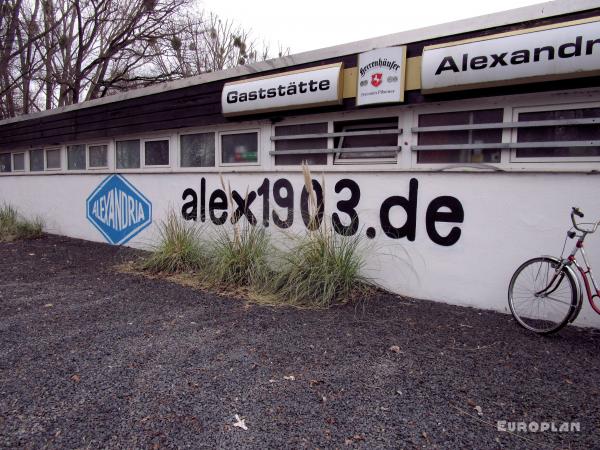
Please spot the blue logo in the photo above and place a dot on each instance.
(118, 210)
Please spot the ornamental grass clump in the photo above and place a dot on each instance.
(239, 253)
(323, 268)
(239, 257)
(181, 247)
(14, 227)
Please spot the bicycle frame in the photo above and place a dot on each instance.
(586, 272)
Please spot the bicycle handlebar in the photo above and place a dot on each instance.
(575, 211)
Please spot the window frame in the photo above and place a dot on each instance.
(548, 159)
(469, 106)
(178, 148)
(219, 145)
(87, 156)
(12, 163)
(295, 122)
(13, 154)
(60, 154)
(143, 141)
(115, 141)
(363, 161)
(67, 158)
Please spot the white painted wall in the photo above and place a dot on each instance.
(508, 218)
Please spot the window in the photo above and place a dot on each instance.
(460, 137)
(5, 162)
(368, 135)
(18, 162)
(301, 144)
(197, 150)
(36, 160)
(76, 157)
(98, 156)
(53, 159)
(156, 153)
(582, 134)
(128, 154)
(239, 148)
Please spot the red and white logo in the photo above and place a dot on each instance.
(376, 79)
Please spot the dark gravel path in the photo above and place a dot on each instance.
(90, 358)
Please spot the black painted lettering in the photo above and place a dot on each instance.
(218, 202)
(498, 60)
(410, 207)
(589, 46)
(479, 62)
(304, 209)
(324, 85)
(232, 97)
(434, 215)
(519, 57)
(570, 49)
(447, 64)
(347, 207)
(203, 199)
(284, 201)
(243, 207)
(538, 52)
(264, 191)
(189, 210)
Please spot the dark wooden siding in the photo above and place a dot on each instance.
(200, 105)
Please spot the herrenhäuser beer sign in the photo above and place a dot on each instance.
(547, 54)
(318, 86)
(381, 76)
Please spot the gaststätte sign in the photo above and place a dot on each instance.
(381, 76)
(565, 51)
(317, 86)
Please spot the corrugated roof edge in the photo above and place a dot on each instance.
(524, 14)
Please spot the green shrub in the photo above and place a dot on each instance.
(14, 227)
(239, 257)
(180, 248)
(322, 269)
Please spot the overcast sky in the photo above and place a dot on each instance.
(305, 25)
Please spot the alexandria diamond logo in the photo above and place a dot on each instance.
(118, 210)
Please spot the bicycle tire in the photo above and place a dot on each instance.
(547, 312)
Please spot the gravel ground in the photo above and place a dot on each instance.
(92, 358)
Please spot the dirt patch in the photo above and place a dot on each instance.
(92, 357)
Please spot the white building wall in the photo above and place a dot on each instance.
(508, 218)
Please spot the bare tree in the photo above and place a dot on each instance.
(59, 52)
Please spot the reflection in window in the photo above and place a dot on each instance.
(239, 148)
(197, 150)
(557, 133)
(5, 162)
(98, 155)
(301, 144)
(156, 153)
(53, 158)
(128, 154)
(36, 160)
(76, 157)
(490, 136)
(367, 141)
(19, 161)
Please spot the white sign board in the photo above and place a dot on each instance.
(548, 54)
(317, 86)
(381, 76)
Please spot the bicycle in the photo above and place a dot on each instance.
(545, 293)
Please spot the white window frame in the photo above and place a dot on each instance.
(127, 169)
(61, 156)
(87, 155)
(465, 167)
(71, 144)
(546, 159)
(374, 126)
(143, 152)
(177, 146)
(12, 163)
(242, 164)
(24, 161)
(310, 121)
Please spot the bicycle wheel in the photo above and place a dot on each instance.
(541, 299)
